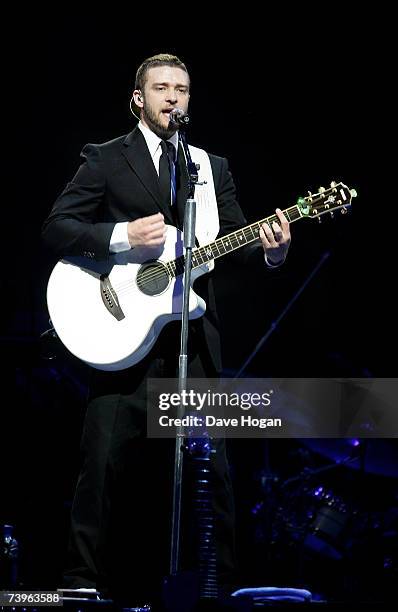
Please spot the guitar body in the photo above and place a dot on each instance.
(109, 314)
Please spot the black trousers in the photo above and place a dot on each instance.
(121, 513)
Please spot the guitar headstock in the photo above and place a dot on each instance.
(337, 197)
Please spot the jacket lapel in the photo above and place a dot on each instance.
(136, 152)
(182, 186)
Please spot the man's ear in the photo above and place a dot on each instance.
(138, 98)
(136, 103)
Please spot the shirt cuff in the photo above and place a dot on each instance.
(119, 239)
(271, 265)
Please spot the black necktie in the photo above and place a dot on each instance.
(167, 173)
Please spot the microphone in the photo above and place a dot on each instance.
(179, 117)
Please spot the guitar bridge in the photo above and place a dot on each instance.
(109, 298)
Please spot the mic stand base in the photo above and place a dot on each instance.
(181, 594)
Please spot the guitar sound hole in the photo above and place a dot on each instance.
(153, 278)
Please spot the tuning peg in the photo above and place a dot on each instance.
(343, 210)
(331, 214)
(321, 190)
(333, 184)
(319, 219)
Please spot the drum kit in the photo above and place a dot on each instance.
(338, 510)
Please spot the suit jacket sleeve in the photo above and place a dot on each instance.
(231, 215)
(75, 225)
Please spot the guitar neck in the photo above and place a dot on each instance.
(230, 242)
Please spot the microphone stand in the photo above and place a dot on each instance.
(189, 243)
(183, 593)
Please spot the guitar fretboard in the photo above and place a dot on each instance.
(231, 242)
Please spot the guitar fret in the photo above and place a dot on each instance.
(294, 213)
(203, 255)
(254, 231)
(234, 240)
(209, 252)
(241, 238)
(247, 234)
(200, 257)
(231, 242)
(216, 244)
(221, 247)
(227, 244)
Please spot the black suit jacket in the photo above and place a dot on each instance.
(117, 181)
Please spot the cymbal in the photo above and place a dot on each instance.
(379, 456)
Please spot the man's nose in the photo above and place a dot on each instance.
(171, 96)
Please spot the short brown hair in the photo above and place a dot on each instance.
(162, 59)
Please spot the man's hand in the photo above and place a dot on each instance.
(276, 241)
(147, 231)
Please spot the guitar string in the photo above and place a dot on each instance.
(220, 242)
(127, 285)
(157, 273)
(217, 243)
(152, 275)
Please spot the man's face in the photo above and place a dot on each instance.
(166, 87)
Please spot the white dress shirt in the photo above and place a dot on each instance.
(119, 239)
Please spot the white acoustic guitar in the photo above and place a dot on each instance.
(109, 314)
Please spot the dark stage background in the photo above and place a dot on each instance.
(306, 108)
